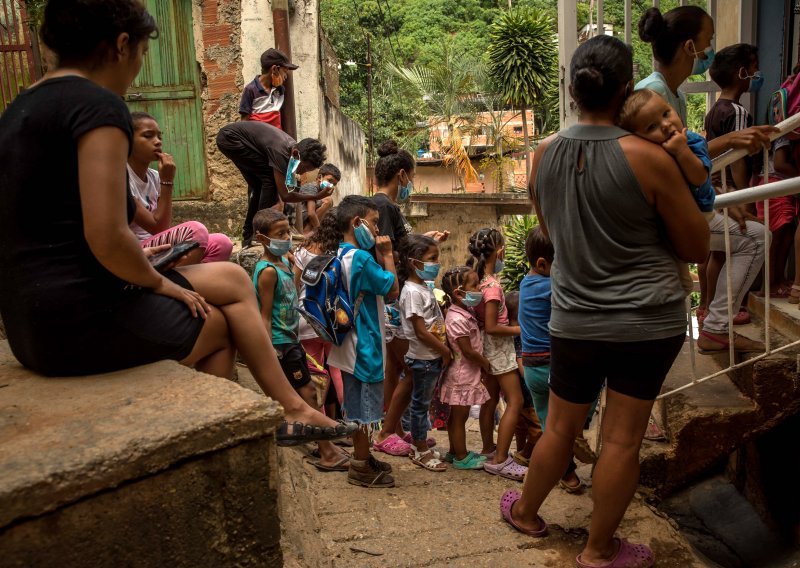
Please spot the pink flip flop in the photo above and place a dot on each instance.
(507, 502)
(628, 556)
(430, 441)
(394, 445)
(508, 469)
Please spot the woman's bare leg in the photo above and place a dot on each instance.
(228, 287)
(550, 458)
(617, 472)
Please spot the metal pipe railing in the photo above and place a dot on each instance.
(727, 158)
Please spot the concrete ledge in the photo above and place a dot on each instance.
(67, 440)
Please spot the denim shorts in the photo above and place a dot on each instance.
(363, 402)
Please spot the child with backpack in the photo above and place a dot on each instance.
(462, 386)
(360, 354)
(487, 250)
(423, 326)
(277, 299)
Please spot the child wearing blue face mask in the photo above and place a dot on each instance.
(423, 327)
(487, 250)
(368, 280)
(277, 299)
(462, 386)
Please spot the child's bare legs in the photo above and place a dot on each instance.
(329, 453)
(457, 431)
(486, 416)
(509, 384)
(716, 260)
(229, 290)
(400, 401)
(394, 366)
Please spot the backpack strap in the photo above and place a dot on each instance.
(357, 304)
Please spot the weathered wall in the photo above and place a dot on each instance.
(345, 142)
(257, 36)
(460, 219)
(218, 33)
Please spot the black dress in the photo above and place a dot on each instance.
(64, 313)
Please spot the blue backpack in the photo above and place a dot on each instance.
(326, 305)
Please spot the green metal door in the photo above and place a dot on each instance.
(168, 87)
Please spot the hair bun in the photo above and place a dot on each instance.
(588, 79)
(388, 148)
(651, 25)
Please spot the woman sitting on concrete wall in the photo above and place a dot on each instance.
(77, 293)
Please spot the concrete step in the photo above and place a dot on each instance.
(152, 466)
(709, 421)
(784, 317)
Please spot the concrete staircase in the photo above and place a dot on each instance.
(706, 423)
(153, 466)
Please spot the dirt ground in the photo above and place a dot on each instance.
(442, 519)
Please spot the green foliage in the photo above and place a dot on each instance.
(35, 10)
(522, 55)
(516, 263)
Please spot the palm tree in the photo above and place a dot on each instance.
(446, 89)
(522, 60)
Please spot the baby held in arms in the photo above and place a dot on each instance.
(648, 115)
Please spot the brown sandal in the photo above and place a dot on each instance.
(740, 343)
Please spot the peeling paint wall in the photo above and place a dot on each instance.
(345, 141)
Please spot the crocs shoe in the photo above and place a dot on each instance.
(393, 445)
(507, 502)
(628, 556)
(470, 461)
(508, 469)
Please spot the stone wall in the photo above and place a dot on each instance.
(460, 219)
(345, 141)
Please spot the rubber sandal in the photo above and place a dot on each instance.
(433, 463)
(724, 343)
(628, 556)
(449, 458)
(507, 503)
(521, 460)
(470, 461)
(742, 317)
(302, 433)
(342, 465)
(393, 445)
(571, 489)
(794, 294)
(409, 440)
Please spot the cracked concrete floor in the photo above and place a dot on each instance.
(442, 519)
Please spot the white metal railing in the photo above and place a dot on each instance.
(742, 197)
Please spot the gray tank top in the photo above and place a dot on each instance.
(614, 277)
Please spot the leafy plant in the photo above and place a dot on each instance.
(516, 262)
(522, 60)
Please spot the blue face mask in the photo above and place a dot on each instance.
(430, 270)
(702, 65)
(472, 299)
(364, 237)
(756, 80)
(404, 191)
(279, 247)
(292, 181)
(498, 266)
(324, 184)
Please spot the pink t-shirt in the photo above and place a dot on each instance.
(492, 291)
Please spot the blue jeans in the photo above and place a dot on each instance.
(425, 374)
